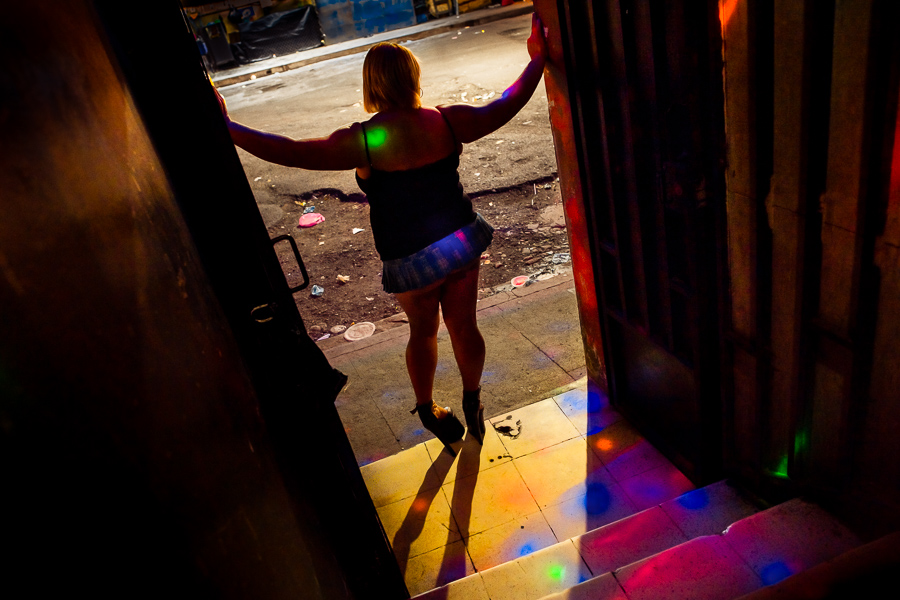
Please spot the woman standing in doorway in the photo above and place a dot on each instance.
(426, 232)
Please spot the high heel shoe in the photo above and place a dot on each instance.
(448, 429)
(474, 412)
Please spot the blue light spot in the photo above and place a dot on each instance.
(419, 431)
(775, 572)
(597, 500)
(596, 401)
(525, 550)
(695, 500)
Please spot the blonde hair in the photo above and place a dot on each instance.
(390, 78)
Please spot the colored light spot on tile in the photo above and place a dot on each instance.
(596, 400)
(376, 137)
(556, 572)
(604, 444)
(420, 505)
(419, 431)
(525, 550)
(775, 572)
(597, 499)
(694, 500)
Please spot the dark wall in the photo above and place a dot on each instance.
(134, 458)
(811, 94)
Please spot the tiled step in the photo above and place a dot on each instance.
(575, 562)
(755, 551)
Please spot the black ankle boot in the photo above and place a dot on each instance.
(474, 412)
(448, 429)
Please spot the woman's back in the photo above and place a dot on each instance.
(400, 140)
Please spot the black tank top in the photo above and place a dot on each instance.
(413, 208)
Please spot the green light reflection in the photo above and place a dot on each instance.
(376, 137)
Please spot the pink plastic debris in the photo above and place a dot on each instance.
(310, 219)
(520, 280)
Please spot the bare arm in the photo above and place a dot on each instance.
(342, 150)
(474, 122)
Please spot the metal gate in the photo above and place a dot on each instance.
(645, 88)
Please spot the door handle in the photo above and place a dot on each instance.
(290, 239)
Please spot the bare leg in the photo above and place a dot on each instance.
(421, 307)
(460, 293)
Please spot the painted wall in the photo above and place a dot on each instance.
(343, 20)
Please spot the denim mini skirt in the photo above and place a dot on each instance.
(435, 261)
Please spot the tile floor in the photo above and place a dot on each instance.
(566, 465)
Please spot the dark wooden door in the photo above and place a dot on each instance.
(646, 94)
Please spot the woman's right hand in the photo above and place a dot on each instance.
(537, 42)
(222, 106)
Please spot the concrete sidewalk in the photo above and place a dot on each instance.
(534, 351)
(307, 57)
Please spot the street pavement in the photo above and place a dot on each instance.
(287, 62)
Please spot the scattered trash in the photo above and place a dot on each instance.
(547, 186)
(519, 281)
(341, 278)
(359, 331)
(527, 123)
(338, 329)
(561, 258)
(309, 209)
(317, 290)
(544, 276)
(477, 174)
(324, 337)
(257, 179)
(510, 431)
(499, 142)
(310, 219)
(357, 230)
(369, 299)
(321, 243)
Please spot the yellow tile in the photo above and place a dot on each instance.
(553, 569)
(472, 457)
(506, 582)
(603, 505)
(488, 499)
(540, 425)
(561, 472)
(418, 524)
(614, 441)
(576, 403)
(467, 588)
(400, 476)
(510, 541)
(438, 567)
